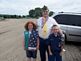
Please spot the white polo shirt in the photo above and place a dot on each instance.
(50, 22)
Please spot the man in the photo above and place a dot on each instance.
(44, 26)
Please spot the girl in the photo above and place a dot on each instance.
(31, 41)
(55, 44)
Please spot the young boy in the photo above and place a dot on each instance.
(55, 44)
(31, 41)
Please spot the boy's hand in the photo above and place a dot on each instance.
(61, 53)
(50, 53)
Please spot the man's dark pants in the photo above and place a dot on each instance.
(43, 48)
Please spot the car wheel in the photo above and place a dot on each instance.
(65, 39)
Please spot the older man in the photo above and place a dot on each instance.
(44, 28)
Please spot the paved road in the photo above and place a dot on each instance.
(11, 37)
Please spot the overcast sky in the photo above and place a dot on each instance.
(21, 7)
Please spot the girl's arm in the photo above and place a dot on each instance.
(37, 43)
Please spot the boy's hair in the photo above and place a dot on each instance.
(54, 26)
(34, 25)
(59, 28)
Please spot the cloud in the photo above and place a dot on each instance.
(21, 7)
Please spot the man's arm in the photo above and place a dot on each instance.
(38, 22)
(55, 22)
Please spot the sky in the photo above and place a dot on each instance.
(22, 7)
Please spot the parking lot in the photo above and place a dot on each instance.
(11, 43)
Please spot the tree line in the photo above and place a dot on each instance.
(33, 13)
(11, 16)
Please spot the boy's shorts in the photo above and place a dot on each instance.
(31, 53)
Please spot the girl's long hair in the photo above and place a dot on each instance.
(34, 25)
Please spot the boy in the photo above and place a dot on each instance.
(55, 44)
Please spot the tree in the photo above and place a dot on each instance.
(38, 12)
(51, 13)
(32, 13)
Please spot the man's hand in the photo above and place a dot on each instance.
(37, 47)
